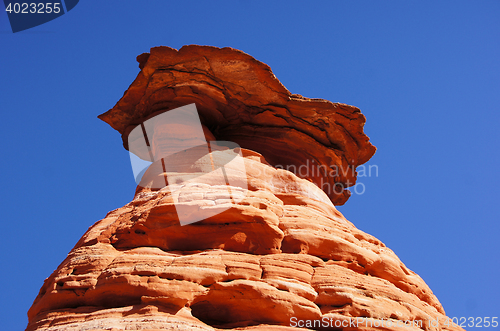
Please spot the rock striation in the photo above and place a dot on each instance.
(283, 257)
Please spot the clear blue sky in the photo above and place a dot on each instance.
(426, 75)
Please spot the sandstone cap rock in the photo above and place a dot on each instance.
(239, 99)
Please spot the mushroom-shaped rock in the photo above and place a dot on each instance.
(282, 257)
(240, 100)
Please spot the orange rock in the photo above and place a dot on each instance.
(283, 257)
(239, 99)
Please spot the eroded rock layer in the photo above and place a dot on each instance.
(283, 255)
(239, 99)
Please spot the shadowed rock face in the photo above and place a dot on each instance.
(281, 256)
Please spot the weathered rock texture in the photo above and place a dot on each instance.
(282, 255)
(240, 100)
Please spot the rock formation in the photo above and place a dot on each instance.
(282, 257)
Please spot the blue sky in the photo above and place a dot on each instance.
(426, 74)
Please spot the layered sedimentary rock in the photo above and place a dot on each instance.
(280, 258)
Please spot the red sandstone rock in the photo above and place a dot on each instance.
(239, 99)
(284, 254)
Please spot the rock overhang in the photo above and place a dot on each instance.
(239, 99)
